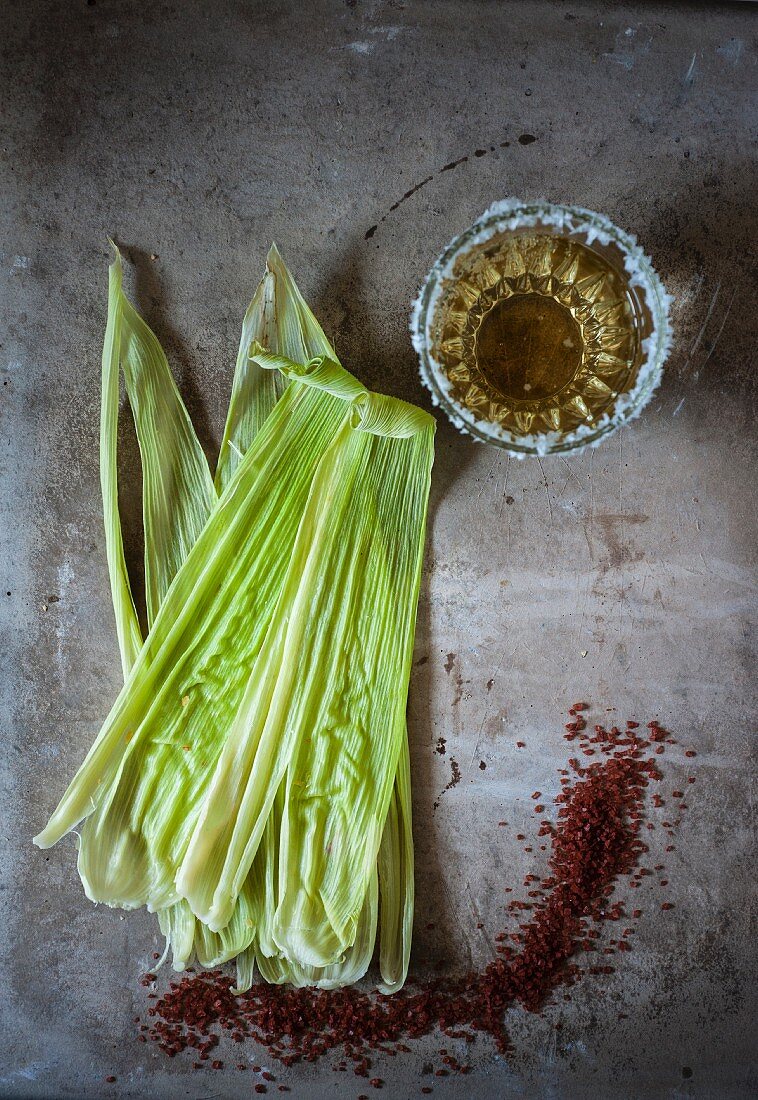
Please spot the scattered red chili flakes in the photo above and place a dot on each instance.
(594, 841)
(690, 753)
(521, 744)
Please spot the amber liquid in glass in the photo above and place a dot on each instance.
(536, 332)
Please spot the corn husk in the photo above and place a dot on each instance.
(194, 750)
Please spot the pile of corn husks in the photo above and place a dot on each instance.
(251, 783)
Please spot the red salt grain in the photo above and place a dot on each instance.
(690, 753)
(595, 840)
(667, 905)
(110, 1079)
(521, 744)
(260, 1088)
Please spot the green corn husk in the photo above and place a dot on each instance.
(367, 503)
(132, 844)
(278, 319)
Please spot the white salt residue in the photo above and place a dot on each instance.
(65, 575)
(22, 263)
(732, 50)
(626, 50)
(625, 60)
(689, 76)
(390, 33)
(360, 47)
(576, 1045)
(30, 1072)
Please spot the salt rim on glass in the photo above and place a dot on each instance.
(617, 302)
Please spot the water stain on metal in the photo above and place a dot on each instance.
(619, 552)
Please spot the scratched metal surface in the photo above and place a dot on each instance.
(199, 132)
